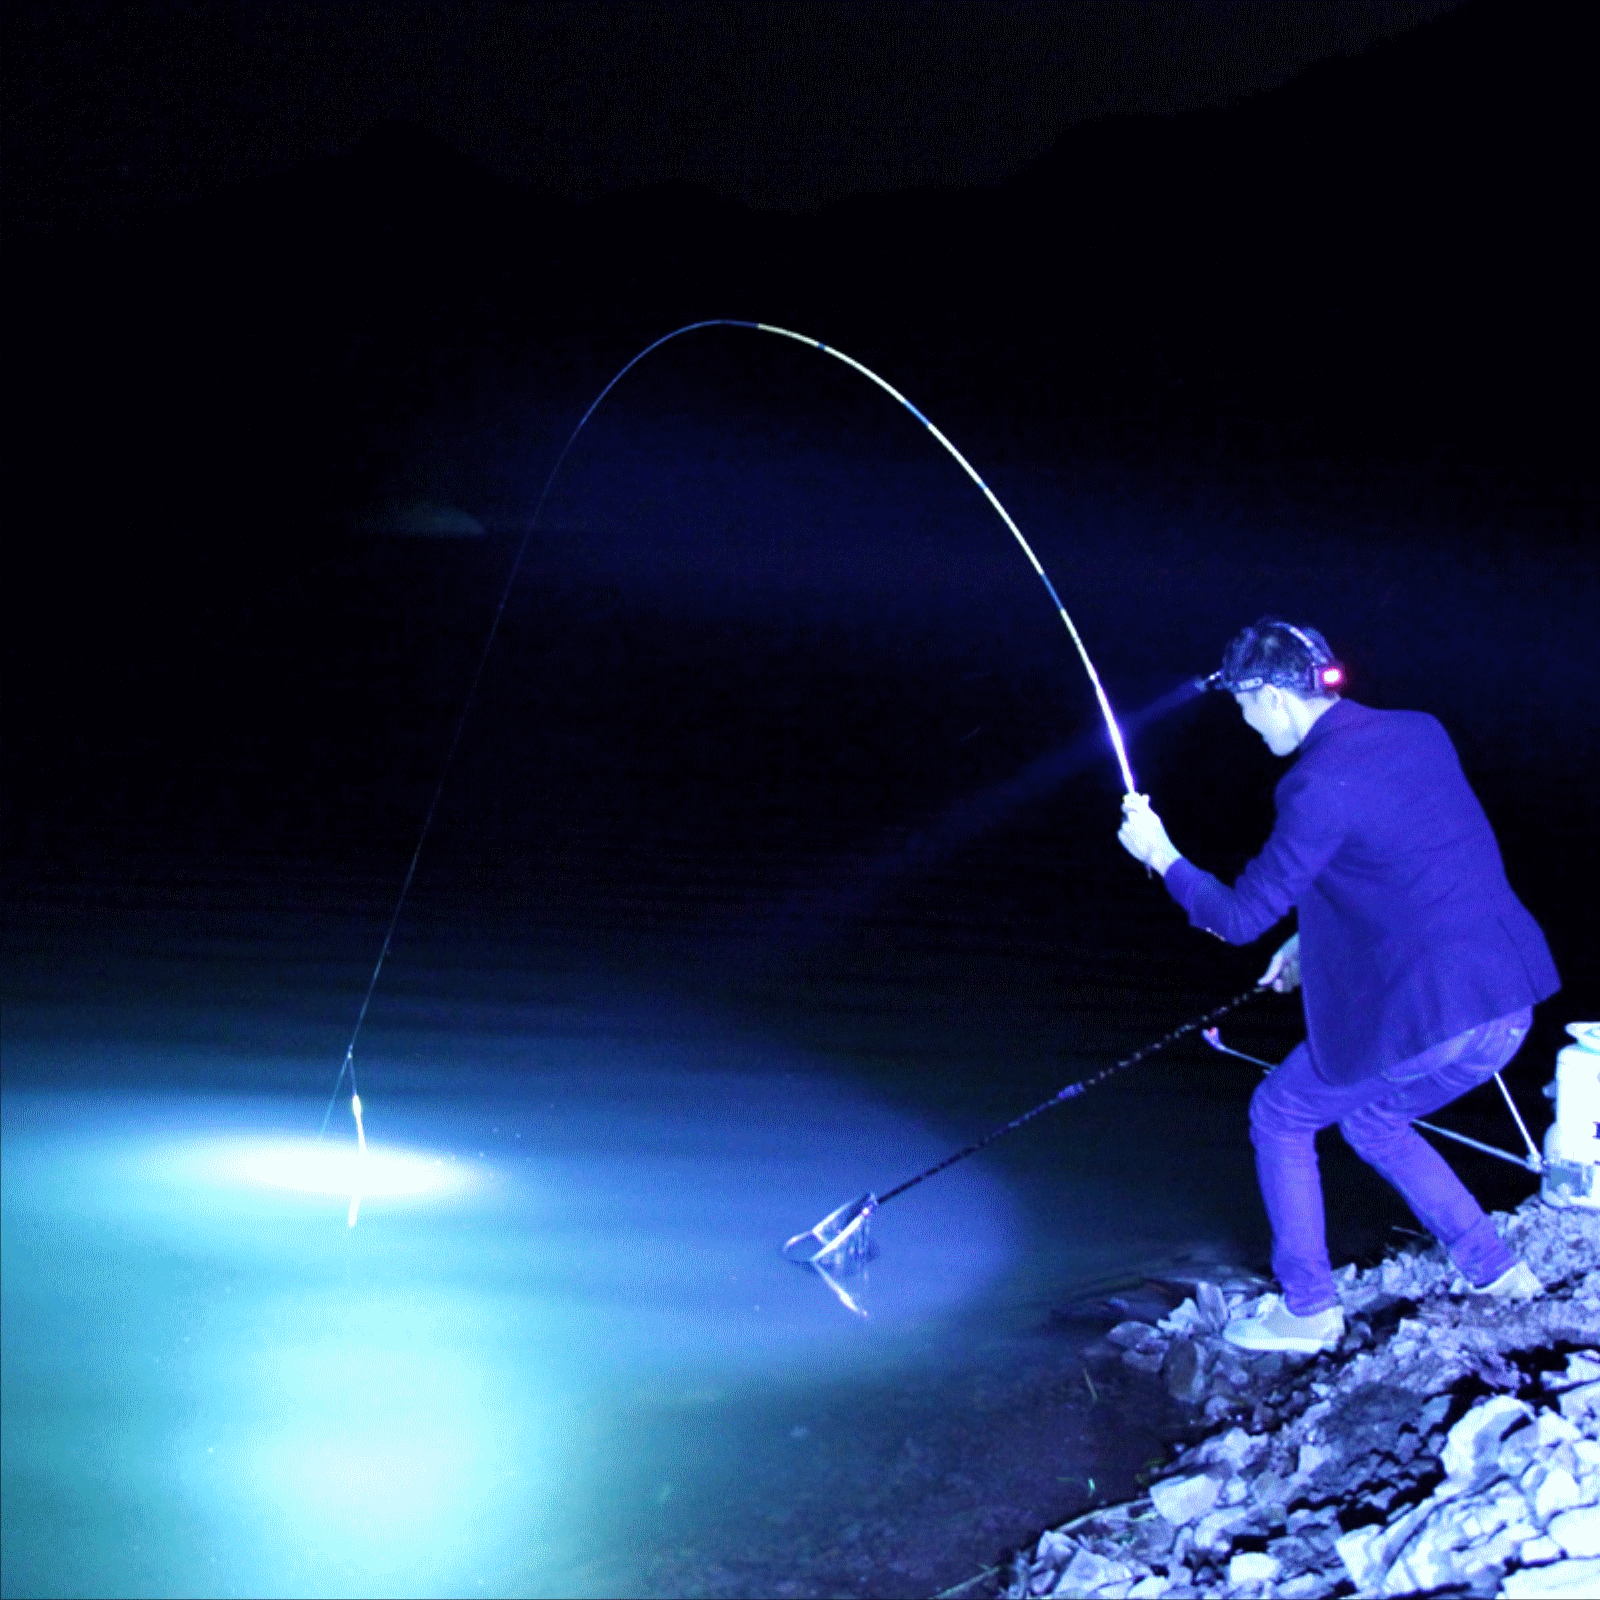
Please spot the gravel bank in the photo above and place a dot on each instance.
(1450, 1445)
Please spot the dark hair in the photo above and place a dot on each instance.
(1271, 650)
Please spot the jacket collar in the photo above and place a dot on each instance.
(1340, 715)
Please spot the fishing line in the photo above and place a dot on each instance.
(347, 1066)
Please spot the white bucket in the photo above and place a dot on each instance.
(1572, 1146)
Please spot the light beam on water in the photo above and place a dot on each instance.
(815, 913)
(223, 1393)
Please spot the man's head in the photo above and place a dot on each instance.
(1283, 678)
(1277, 652)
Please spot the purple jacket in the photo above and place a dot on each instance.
(1409, 932)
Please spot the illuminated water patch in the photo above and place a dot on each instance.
(318, 1166)
(228, 1390)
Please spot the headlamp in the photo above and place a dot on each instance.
(1221, 681)
(1321, 675)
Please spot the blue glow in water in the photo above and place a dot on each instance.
(212, 1385)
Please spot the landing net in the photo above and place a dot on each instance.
(840, 1246)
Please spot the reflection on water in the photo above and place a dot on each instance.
(213, 1386)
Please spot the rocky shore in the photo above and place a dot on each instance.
(1449, 1445)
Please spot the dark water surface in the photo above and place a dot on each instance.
(695, 954)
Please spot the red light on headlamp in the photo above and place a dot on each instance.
(1331, 677)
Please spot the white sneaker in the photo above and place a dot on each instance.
(1276, 1327)
(1517, 1282)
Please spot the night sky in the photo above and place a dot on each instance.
(111, 110)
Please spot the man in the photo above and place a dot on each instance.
(1419, 966)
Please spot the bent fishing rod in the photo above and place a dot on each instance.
(348, 1066)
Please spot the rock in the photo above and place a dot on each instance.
(1182, 1500)
(1555, 1491)
(1365, 1556)
(1184, 1371)
(1408, 1277)
(1518, 1451)
(1463, 1539)
(1537, 1551)
(1351, 1438)
(1369, 1552)
(1231, 1364)
(1186, 1319)
(1042, 1582)
(1151, 1537)
(1561, 1580)
(1473, 1445)
(1234, 1449)
(1214, 1532)
(1213, 1305)
(1268, 1492)
(1144, 1360)
(1306, 1585)
(1551, 1429)
(1252, 1566)
(1086, 1573)
(1135, 1336)
(1581, 1368)
(1055, 1548)
(1293, 1554)
(1581, 1402)
(1577, 1531)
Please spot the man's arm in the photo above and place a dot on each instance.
(1307, 834)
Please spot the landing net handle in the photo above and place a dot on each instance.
(1073, 1090)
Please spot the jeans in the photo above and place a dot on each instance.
(1374, 1116)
